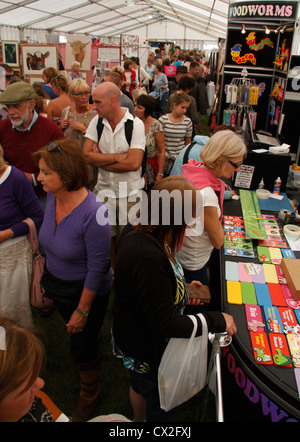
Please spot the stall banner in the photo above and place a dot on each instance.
(263, 11)
(260, 403)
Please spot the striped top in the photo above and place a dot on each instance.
(176, 133)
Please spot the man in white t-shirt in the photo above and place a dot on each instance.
(119, 180)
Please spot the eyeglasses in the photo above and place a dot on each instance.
(236, 166)
(51, 147)
(81, 94)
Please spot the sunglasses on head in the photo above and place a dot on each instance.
(51, 147)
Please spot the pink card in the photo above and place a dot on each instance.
(290, 301)
(280, 275)
(254, 318)
(243, 274)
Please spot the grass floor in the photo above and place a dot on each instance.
(61, 376)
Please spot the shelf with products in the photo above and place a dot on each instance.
(241, 95)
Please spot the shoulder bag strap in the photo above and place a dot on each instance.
(32, 235)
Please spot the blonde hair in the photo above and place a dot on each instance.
(78, 85)
(2, 161)
(224, 145)
(118, 69)
(180, 97)
(21, 360)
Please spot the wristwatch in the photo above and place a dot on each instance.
(84, 314)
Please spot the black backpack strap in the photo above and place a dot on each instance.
(128, 130)
(187, 152)
(128, 135)
(100, 126)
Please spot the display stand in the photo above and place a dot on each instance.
(258, 386)
(260, 39)
(242, 94)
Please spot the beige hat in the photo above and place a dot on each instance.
(17, 92)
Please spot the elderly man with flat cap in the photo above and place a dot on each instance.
(24, 131)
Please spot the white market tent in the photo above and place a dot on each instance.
(180, 21)
(204, 20)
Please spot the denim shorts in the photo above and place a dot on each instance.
(146, 384)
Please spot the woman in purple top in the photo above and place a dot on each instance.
(75, 235)
(17, 202)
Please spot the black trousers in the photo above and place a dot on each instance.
(84, 344)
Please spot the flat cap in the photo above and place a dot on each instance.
(182, 69)
(17, 92)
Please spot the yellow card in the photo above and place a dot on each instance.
(270, 273)
(275, 254)
(234, 292)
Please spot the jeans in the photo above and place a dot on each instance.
(163, 102)
(146, 384)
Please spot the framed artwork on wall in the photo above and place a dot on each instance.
(10, 52)
(35, 58)
(78, 50)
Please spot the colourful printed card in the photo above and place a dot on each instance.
(273, 319)
(289, 321)
(254, 318)
(261, 348)
(294, 346)
(280, 350)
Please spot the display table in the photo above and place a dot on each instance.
(253, 391)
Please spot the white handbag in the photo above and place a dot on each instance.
(183, 368)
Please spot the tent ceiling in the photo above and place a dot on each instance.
(114, 17)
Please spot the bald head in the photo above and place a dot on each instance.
(106, 99)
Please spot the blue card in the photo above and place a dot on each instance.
(262, 294)
(288, 253)
(273, 319)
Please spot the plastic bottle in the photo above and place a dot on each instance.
(277, 185)
(261, 184)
